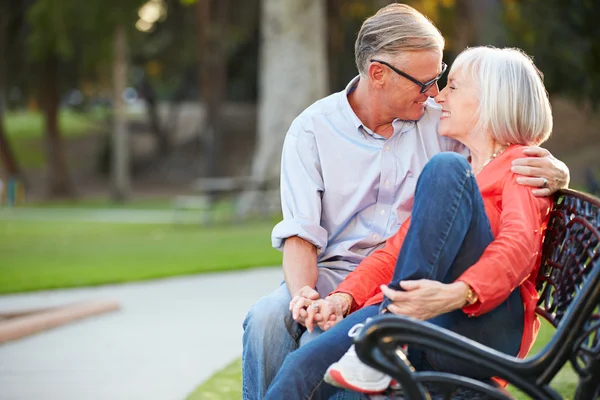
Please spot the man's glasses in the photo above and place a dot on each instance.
(425, 86)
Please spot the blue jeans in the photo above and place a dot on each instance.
(301, 375)
(270, 334)
(449, 231)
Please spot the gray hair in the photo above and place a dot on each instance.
(394, 29)
(513, 102)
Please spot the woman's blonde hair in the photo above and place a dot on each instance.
(394, 29)
(513, 102)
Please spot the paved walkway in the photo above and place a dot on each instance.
(121, 216)
(169, 336)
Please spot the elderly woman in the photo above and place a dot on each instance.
(474, 237)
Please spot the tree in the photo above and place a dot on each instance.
(57, 29)
(7, 156)
(564, 38)
(120, 139)
(293, 74)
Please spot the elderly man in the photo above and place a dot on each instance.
(349, 167)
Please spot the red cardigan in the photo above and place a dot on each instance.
(517, 219)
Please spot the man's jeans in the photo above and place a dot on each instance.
(448, 233)
(270, 334)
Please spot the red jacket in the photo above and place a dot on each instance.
(517, 219)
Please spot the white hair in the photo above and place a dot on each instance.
(513, 102)
(394, 29)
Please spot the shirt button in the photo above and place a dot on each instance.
(387, 148)
(375, 236)
(387, 183)
(382, 212)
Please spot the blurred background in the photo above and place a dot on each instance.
(138, 98)
(142, 138)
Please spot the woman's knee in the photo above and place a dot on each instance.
(447, 162)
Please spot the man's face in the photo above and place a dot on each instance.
(402, 98)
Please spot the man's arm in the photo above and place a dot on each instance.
(299, 264)
(542, 170)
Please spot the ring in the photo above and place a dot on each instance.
(545, 182)
(315, 305)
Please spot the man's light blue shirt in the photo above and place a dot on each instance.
(346, 189)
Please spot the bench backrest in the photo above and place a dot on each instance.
(569, 280)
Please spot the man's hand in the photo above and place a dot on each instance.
(541, 169)
(300, 302)
(425, 299)
(324, 313)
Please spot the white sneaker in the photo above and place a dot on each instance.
(351, 373)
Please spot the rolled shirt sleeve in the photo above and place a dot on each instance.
(301, 190)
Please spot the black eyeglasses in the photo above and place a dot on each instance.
(424, 86)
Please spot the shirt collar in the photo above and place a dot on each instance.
(398, 124)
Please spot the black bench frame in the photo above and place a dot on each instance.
(569, 288)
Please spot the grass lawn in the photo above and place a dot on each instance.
(226, 384)
(43, 255)
(25, 130)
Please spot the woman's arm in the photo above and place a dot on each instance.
(513, 254)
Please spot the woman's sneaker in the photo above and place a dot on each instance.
(351, 373)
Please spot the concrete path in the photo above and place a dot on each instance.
(169, 336)
(125, 216)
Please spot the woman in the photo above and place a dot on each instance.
(475, 236)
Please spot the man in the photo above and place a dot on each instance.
(349, 168)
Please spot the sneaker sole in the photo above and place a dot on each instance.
(335, 378)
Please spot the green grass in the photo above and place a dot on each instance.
(46, 255)
(106, 203)
(25, 131)
(566, 380)
(30, 125)
(226, 384)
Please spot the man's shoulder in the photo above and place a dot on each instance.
(323, 108)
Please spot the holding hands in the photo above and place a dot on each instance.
(308, 310)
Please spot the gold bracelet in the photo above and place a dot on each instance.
(346, 297)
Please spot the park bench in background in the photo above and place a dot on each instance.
(208, 192)
(569, 288)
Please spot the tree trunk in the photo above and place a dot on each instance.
(120, 139)
(9, 162)
(293, 74)
(59, 183)
(161, 134)
(213, 75)
(7, 157)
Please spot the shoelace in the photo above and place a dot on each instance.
(355, 330)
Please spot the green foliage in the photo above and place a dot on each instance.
(66, 27)
(564, 38)
(46, 255)
(25, 132)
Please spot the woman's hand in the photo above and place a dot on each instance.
(425, 299)
(319, 312)
(333, 312)
(541, 170)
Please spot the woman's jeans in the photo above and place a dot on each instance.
(448, 233)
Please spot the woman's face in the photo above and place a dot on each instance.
(460, 103)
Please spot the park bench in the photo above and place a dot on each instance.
(208, 191)
(569, 289)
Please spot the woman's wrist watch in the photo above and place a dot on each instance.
(471, 297)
